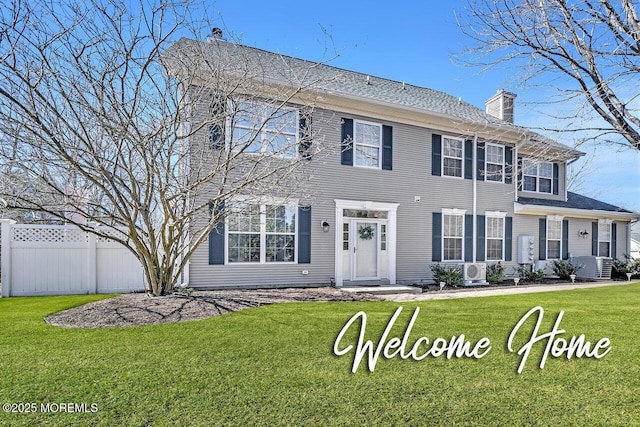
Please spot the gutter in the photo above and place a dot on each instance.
(542, 210)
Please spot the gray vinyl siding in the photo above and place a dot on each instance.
(411, 176)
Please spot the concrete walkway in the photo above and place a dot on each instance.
(506, 290)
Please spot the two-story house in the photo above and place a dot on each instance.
(417, 177)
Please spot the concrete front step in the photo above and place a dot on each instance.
(383, 290)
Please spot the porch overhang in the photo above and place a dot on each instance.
(541, 210)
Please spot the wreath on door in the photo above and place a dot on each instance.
(365, 232)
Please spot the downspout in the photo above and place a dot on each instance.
(474, 179)
(515, 172)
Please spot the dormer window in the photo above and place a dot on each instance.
(537, 176)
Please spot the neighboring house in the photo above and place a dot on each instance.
(422, 177)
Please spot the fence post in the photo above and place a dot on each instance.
(92, 259)
(5, 256)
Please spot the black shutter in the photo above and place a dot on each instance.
(480, 173)
(508, 160)
(542, 239)
(304, 234)
(436, 154)
(436, 237)
(556, 172)
(614, 232)
(594, 238)
(481, 238)
(565, 239)
(387, 147)
(468, 238)
(468, 159)
(520, 183)
(347, 142)
(216, 238)
(508, 238)
(216, 128)
(304, 132)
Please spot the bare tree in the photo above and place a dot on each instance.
(115, 122)
(588, 50)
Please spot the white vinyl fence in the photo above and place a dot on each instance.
(59, 259)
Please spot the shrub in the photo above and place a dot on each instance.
(451, 276)
(620, 268)
(495, 273)
(528, 275)
(564, 269)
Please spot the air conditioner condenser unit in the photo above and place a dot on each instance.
(475, 271)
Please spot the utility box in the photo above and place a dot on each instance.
(525, 249)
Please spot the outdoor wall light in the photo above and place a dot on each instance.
(325, 226)
(583, 233)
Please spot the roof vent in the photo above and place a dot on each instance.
(501, 105)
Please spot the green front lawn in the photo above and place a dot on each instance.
(275, 366)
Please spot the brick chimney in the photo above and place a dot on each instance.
(501, 105)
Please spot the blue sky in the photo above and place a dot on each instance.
(415, 42)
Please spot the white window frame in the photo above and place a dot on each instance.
(264, 130)
(461, 158)
(537, 165)
(606, 223)
(263, 203)
(357, 144)
(457, 213)
(554, 219)
(494, 215)
(487, 163)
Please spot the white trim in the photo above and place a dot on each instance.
(261, 202)
(554, 218)
(487, 162)
(453, 212)
(462, 157)
(391, 209)
(228, 131)
(355, 143)
(608, 223)
(499, 215)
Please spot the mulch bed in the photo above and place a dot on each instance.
(142, 309)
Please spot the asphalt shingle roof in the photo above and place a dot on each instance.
(574, 201)
(325, 78)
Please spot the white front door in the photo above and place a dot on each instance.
(365, 254)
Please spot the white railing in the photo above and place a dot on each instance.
(60, 259)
